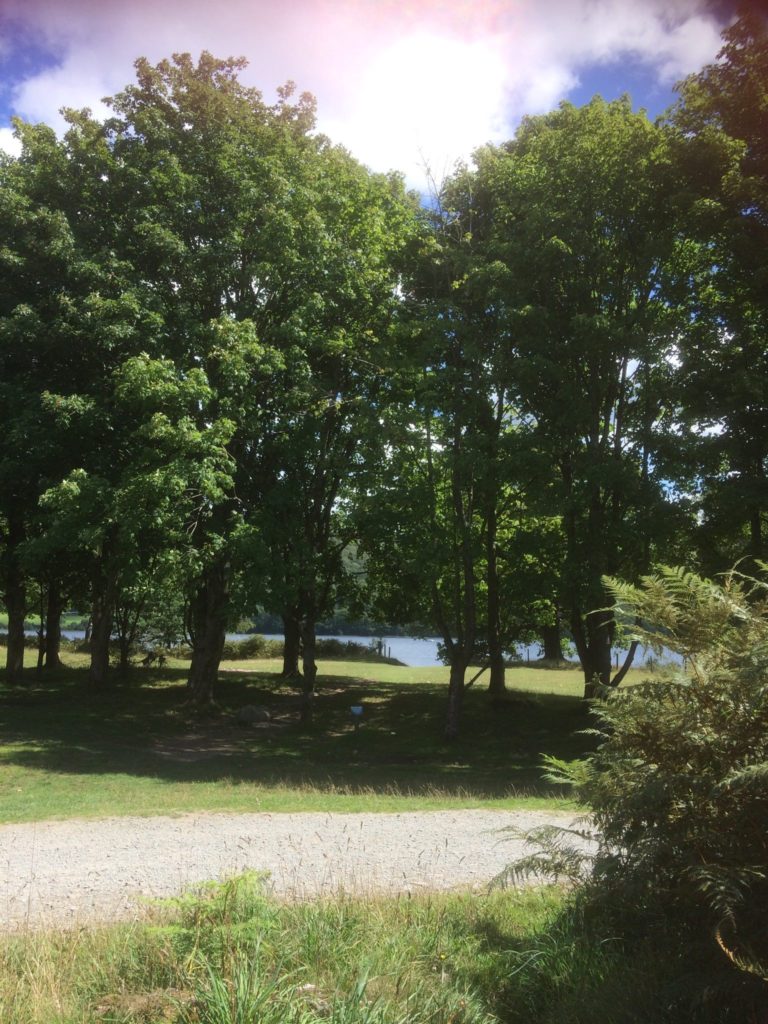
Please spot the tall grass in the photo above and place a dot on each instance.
(229, 954)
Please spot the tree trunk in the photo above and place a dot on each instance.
(209, 615)
(53, 628)
(551, 641)
(601, 642)
(596, 659)
(627, 664)
(41, 634)
(125, 627)
(756, 536)
(309, 667)
(292, 644)
(455, 697)
(125, 653)
(16, 606)
(496, 684)
(101, 630)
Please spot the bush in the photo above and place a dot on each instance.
(678, 788)
(31, 640)
(348, 650)
(255, 646)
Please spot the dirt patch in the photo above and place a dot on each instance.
(160, 1006)
(205, 743)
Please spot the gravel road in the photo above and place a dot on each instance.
(71, 872)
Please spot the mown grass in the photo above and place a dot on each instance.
(232, 955)
(137, 749)
(68, 621)
(535, 681)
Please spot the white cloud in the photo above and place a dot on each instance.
(397, 83)
(424, 100)
(77, 83)
(562, 37)
(8, 142)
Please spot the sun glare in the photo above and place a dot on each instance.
(428, 100)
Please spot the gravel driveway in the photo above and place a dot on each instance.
(66, 872)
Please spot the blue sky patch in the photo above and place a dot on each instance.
(22, 55)
(635, 77)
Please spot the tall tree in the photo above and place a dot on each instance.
(474, 364)
(64, 313)
(721, 122)
(329, 427)
(422, 517)
(520, 587)
(205, 178)
(579, 224)
(267, 257)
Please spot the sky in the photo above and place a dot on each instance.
(411, 85)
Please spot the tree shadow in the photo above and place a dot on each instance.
(142, 727)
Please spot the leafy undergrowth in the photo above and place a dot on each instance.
(678, 802)
(229, 954)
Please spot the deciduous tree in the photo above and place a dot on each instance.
(579, 225)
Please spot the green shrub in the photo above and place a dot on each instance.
(678, 787)
(254, 646)
(334, 649)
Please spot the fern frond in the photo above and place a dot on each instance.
(751, 775)
(747, 966)
(565, 773)
(557, 853)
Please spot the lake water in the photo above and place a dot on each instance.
(422, 652)
(405, 648)
(411, 651)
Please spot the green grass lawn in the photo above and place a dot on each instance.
(233, 954)
(68, 621)
(137, 749)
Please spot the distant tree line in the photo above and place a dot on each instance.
(240, 371)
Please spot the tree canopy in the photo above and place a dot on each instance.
(234, 363)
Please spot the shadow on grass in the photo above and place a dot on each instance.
(141, 727)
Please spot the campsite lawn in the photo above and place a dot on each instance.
(66, 751)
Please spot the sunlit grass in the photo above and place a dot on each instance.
(233, 955)
(29, 794)
(136, 748)
(229, 954)
(566, 682)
